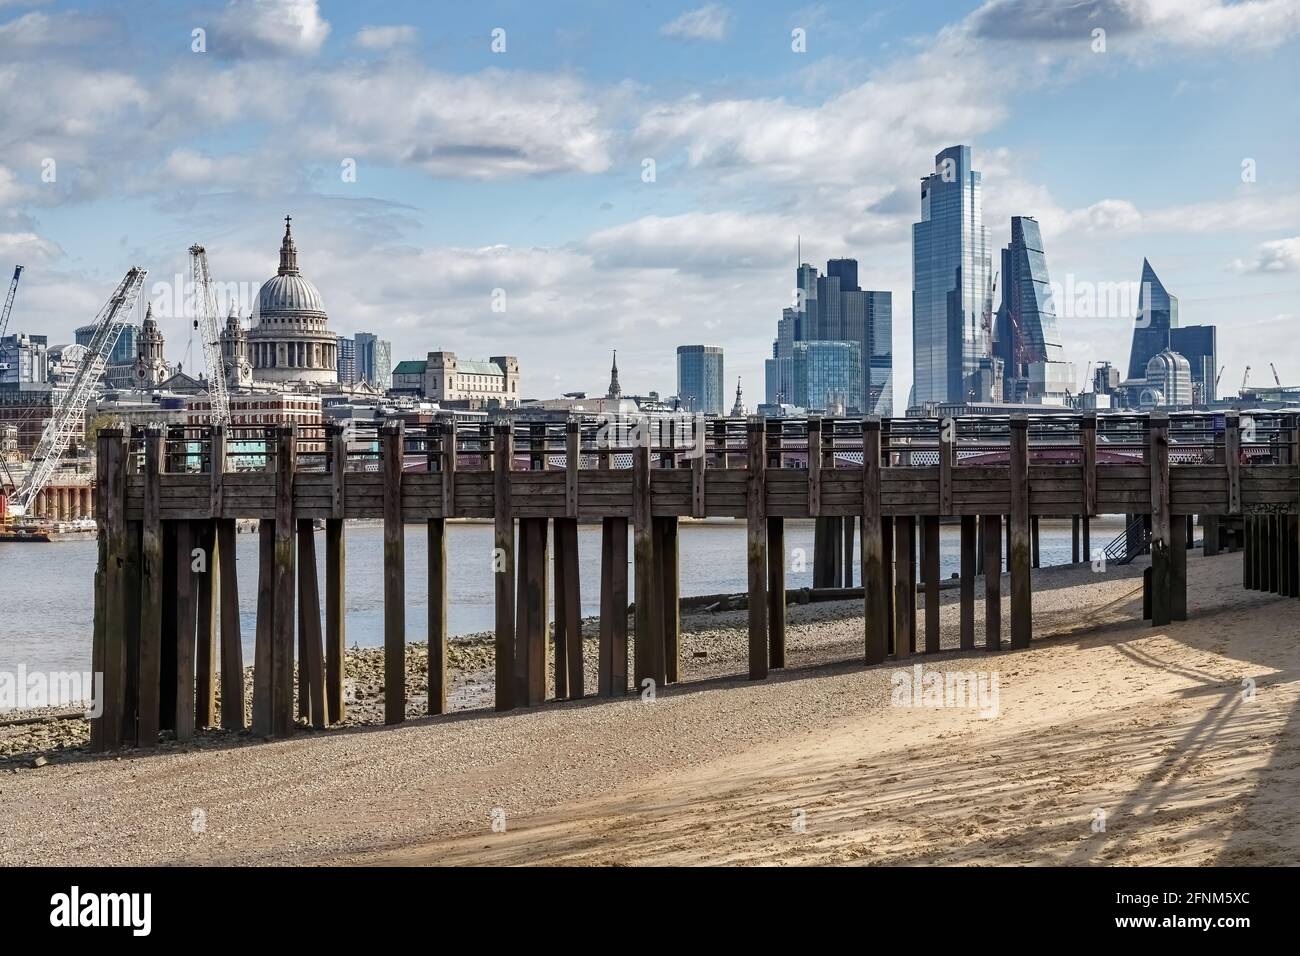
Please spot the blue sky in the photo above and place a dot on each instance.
(522, 169)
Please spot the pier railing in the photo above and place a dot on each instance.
(168, 494)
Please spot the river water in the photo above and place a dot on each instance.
(46, 600)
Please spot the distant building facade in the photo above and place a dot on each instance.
(827, 376)
(700, 379)
(374, 361)
(1026, 336)
(1157, 314)
(1198, 344)
(347, 361)
(442, 377)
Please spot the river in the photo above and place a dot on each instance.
(46, 601)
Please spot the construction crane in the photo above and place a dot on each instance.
(209, 326)
(1276, 381)
(1244, 375)
(1219, 376)
(67, 420)
(9, 301)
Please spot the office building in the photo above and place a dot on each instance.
(1157, 314)
(1026, 336)
(374, 361)
(828, 376)
(444, 378)
(952, 295)
(1197, 343)
(700, 379)
(347, 361)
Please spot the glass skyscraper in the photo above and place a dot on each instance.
(1026, 336)
(827, 376)
(1157, 314)
(374, 361)
(952, 294)
(700, 378)
(347, 361)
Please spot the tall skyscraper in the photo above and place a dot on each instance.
(952, 296)
(1157, 314)
(699, 378)
(1026, 337)
(828, 376)
(374, 358)
(347, 361)
(1197, 343)
(834, 309)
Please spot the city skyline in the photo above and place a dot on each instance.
(448, 204)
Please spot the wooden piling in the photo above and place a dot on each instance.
(392, 447)
(335, 579)
(570, 673)
(612, 675)
(112, 653)
(1161, 532)
(206, 655)
(232, 650)
(312, 661)
(283, 591)
(151, 594)
(905, 587)
(263, 656)
(966, 609)
(1020, 558)
(776, 616)
(930, 532)
(531, 613)
(186, 621)
(992, 534)
(756, 548)
(666, 552)
(648, 646)
(503, 563)
(875, 590)
(437, 624)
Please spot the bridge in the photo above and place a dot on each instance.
(163, 647)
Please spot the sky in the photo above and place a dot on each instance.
(633, 176)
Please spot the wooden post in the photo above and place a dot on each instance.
(930, 531)
(1161, 532)
(887, 549)
(263, 657)
(1035, 556)
(905, 587)
(756, 523)
(846, 535)
(312, 662)
(392, 447)
(531, 613)
(335, 580)
(447, 465)
(815, 467)
(232, 651)
(167, 646)
(947, 460)
(699, 463)
(666, 551)
(650, 661)
(1087, 538)
(282, 618)
(151, 594)
(186, 619)
(1088, 448)
(992, 534)
(1232, 459)
(966, 610)
(504, 565)
(206, 659)
(110, 655)
(437, 624)
(1178, 569)
(612, 675)
(1020, 557)
(875, 588)
(568, 612)
(776, 616)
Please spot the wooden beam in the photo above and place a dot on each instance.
(612, 673)
(648, 647)
(312, 662)
(151, 594)
(568, 608)
(263, 666)
(392, 447)
(232, 650)
(186, 620)
(110, 653)
(699, 464)
(966, 609)
(815, 467)
(503, 564)
(776, 616)
(531, 611)
(1088, 449)
(205, 665)
(930, 529)
(947, 460)
(1232, 459)
(283, 592)
(1020, 559)
(756, 547)
(666, 551)
(905, 586)
(875, 588)
(447, 464)
(1161, 532)
(437, 626)
(992, 535)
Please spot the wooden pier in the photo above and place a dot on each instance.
(167, 630)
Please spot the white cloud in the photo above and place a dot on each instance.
(270, 27)
(709, 22)
(385, 38)
(1279, 255)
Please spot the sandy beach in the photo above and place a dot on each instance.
(1113, 742)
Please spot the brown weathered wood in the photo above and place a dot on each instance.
(531, 613)
(991, 533)
(572, 460)
(756, 540)
(111, 653)
(98, 650)
(875, 588)
(338, 471)
(648, 647)
(1178, 569)
(232, 650)
(263, 656)
(311, 661)
(966, 608)
(569, 669)
(776, 616)
(392, 443)
(612, 673)
(151, 595)
(699, 463)
(282, 617)
(947, 460)
(1020, 558)
(815, 467)
(905, 586)
(930, 530)
(335, 623)
(447, 466)
(1034, 542)
(1161, 559)
(437, 625)
(1088, 446)
(503, 564)
(666, 554)
(216, 469)
(1232, 459)
(186, 620)
(205, 664)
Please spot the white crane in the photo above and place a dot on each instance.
(67, 419)
(9, 301)
(209, 326)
